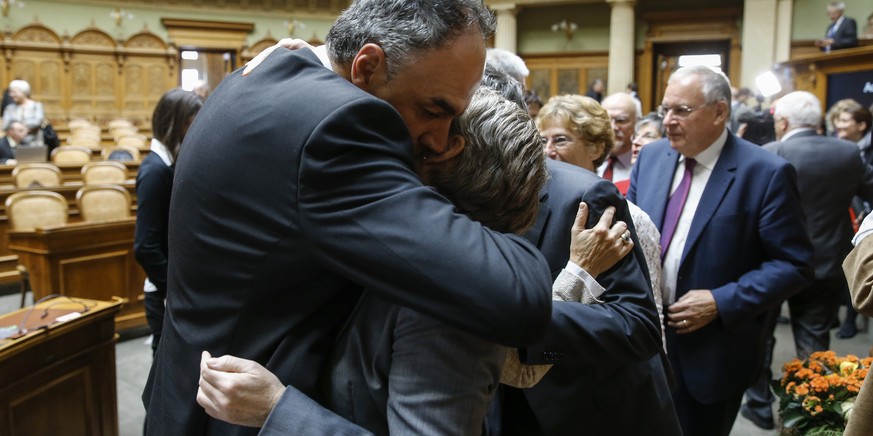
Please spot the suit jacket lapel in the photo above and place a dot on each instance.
(717, 186)
(659, 189)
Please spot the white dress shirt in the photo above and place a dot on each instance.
(706, 161)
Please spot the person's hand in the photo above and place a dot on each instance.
(824, 42)
(289, 43)
(599, 248)
(237, 391)
(692, 311)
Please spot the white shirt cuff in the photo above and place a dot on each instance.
(865, 229)
(593, 287)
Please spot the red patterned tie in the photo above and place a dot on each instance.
(674, 207)
(607, 173)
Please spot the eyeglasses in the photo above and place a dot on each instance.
(681, 111)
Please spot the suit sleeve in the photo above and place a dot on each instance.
(368, 217)
(788, 254)
(624, 328)
(296, 413)
(858, 267)
(847, 35)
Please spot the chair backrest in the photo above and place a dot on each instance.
(85, 129)
(118, 132)
(85, 141)
(27, 175)
(138, 141)
(71, 154)
(29, 210)
(104, 172)
(103, 202)
(121, 153)
(78, 123)
(119, 122)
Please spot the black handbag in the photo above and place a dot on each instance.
(49, 136)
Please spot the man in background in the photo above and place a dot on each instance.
(623, 112)
(733, 245)
(829, 174)
(596, 89)
(15, 134)
(842, 32)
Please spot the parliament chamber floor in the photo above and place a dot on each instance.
(133, 359)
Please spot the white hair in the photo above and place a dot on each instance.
(20, 85)
(840, 6)
(800, 108)
(508, 62)
(716, 85)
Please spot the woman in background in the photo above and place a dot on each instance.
(23, 109)
(154, 182)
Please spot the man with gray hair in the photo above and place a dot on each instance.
(829, 173)
(733, 245)
(842, 32)
(508, 62)
(624, 111)
(296, 188)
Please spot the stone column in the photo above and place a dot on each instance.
(784, 12)
(621, 45)
(758, 41)
(506, 34)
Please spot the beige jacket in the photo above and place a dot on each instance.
(858, 267)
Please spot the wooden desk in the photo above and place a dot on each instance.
(60, 380)
(88, 260)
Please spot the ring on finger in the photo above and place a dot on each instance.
(626, 236)
(684, 323)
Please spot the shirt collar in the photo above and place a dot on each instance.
(162, 152)
(709, 156)
(625, 158)
(796, 131)
(321, 52)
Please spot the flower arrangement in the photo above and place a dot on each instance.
(816, 395)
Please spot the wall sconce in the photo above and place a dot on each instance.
(119, 15)
(5, 5)
(293, 25)
(568, 27)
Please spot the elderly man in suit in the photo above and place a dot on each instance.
(324, 201)
(829, 173)
(733, 245)
(842, 32)
(624, 111)
(15, 135)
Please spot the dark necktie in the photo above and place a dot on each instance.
(675, 205)
(610, 162)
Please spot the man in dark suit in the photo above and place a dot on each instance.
(733, 244)
(842, 32)
(15, 134)
(829, 173)
(295, 189)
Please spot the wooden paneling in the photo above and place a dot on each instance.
(60, 379)
(87, 260)
(552, 75)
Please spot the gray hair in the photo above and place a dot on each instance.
(20, 85)
(497, 179)
(651, 119)
(840, 6)
(800, 108)
(626, 99)
(716, 85)
(507, 62)
(504, 84)
(404, 28)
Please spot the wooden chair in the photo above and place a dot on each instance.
(119, 122)
(90, 128)
(71, 154)
(118, 132)
(85, 141)
(103, 202)
(27, 175)
(32, 209)
(121, 153)
(104, 172)
(138, 141)
(78, 123)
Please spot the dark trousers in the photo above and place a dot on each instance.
(154, 311)
(812, 312)
(699, 419)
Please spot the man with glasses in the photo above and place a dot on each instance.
(733, 245)
(623, 112)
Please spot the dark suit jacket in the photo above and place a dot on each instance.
(846, 35)
(747, 243)
(601, 352)
(6, 151)
(293, 190)
(829, 174)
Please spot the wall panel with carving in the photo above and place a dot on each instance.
(90, 75)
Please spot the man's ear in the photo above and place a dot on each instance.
(454, 148)
(368, 69)
(721, 110)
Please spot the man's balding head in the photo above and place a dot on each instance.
(623, 112)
